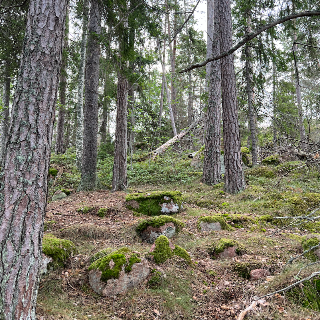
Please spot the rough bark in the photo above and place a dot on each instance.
(119, 179)
(23, 183)
(60, 143)
(105, 110)
(212, 163)
(234, 178)
(79, 105)
(251, 110)
(5, 117)
(90, 110)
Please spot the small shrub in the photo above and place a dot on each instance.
(53, 172)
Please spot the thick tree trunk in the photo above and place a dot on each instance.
(90, 110)
(119, 180)
(5, 117)
(79, 105)
(212, 163)
(60, 143)
(23, 183)
(251, 111)
(234, 178)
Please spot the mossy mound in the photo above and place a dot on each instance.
(261, 171)
(214, 219)
(157, 222)
(58, 249)
(309, 242)
(288, 166)
(304, 202)
(155, 280)
(150, 203)
(86, 209)
(238, 220)
(163, 252)
(243, 269)
(223, 244)
(273, 160)
(53, 172)
(112, 263)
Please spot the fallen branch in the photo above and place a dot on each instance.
(251, 307)
(302, 254)
(251, 36)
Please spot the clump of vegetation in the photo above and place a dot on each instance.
(243, 269)
(66, 191)
(119, 259)
(53, 172)
(271, 160)
(288, 166)
(58, 249)
(301, 203)
(261, 171)
(49, 224)
(309, 242)
(163, 252)
(155, 280)
(212, 219)
(102, 212)
(223, 244)
(245, 156)
(102, 253)
(149, 203)
(157, 222)
(85, 209)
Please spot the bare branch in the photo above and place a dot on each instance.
(303, 253)
(251, 36)
(251, 307)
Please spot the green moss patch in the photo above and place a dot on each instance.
(243, 269)
(53, 172)
(155, 280)
(303, 202)
(102, 212)
(163, 252)
(223, 244)
(111, 264)
(261, 171)
(157, 222)
(149, 203)
(309, 242)
(58, 249)
(86, 209)
(212, 219)
(273, 160)
(238, 220)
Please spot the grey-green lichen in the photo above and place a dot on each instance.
(111, 264)
(58, 249)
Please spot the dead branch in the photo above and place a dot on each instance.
(251, 36)
(303, 253)
(251, 307)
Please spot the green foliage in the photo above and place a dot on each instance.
(261, 171)
(53, 172)
(100, 254)
(58, 249)
(182, 253)
(301, 203)
(155, 280)
(106, 150)
(158, 222)
(66, 191)
(85, 209)
(148, 203)
(307, 243)
(271, 160)
(162, 251)
(211, 219)
(121, 258)
(102, 212)
(223, 244)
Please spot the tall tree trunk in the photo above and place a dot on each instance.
(190, 100)
(249, 82)
(5, 117)
(79, 105)
(212, 163)
(234, 178)
(119, 179)
(23, 182)
(210, 31)
(105, 110)
(274, 79)
(132, 121)
(161, 101)
(90, 110)
(60, 143)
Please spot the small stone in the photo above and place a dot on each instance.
(213, 226)
(150, 234)
(258, 274)
(229, 252)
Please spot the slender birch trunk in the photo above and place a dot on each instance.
(23, 182)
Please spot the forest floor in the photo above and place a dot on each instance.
(209, 289)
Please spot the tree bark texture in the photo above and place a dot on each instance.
(90, 110)
(249, 83)
(234, 178)
(79, 105)
(5, 116)
(210, 30)
(131, 102)
(212, 163)
(23, 183)
(119, 179)
(60, 143)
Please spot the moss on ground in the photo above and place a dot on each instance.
(261, 171)
(149, 203)
(243, 269)
(102, 212)
(53, 172)
(273, 160)
(212, 219)
(223, 244)
(122, 258)
(58, 249)
(309, 242)
(301, 203)
(86, 209)
(157, 222)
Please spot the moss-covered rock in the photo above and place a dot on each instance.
(112, 264)
(162, 251)
(58, 249)
(220, 246)
(273, 160)
(155, 203)
(210, 222)
(309, 242)
(86, 209)
(243, 269)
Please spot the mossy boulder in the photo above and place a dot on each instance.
(150, 229)
(212, 223)
(226, 248)
(303, 202)
(273, 160)
(243, 269)
(116, 272)
(309, 242)
(155, 203)
(60, 250)
(162, 251)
